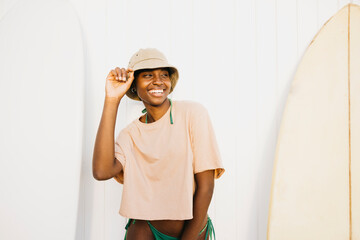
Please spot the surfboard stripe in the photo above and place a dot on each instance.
(349, 104)
(354, 173)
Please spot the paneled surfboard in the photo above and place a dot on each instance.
(41, 104)
(316, 178)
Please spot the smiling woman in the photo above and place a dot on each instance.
(152, 87)
(167, 159)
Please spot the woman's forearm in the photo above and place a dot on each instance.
(105, 165)
(201, 202)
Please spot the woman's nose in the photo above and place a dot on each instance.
(157, 79)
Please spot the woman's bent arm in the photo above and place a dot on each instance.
(105, 165)
(201, 202)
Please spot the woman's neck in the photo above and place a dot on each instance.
(154, 113)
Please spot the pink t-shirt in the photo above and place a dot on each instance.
(160, 159)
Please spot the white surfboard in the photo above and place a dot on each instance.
(316, 178)
(41, 108)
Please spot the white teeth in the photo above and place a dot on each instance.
(157, 91)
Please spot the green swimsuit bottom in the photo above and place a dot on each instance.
(160, 236)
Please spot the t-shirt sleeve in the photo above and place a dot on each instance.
(120, 155)
(203, 141)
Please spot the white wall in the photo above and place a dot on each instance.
(235, 57)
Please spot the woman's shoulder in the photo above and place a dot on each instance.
(190, 106)
(126, 132)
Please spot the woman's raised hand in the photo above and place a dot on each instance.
(118, 82)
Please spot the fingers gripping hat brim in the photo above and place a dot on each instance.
(151, 58)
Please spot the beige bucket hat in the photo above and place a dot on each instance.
(150, 58)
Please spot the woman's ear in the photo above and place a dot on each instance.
(133, 86)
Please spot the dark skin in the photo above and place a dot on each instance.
(153, 87)
(189, 229)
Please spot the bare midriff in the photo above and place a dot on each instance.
(172, 228)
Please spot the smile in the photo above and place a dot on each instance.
(157, 92)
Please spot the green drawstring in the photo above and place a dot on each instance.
(171, 118)
(204, 228)
(210, 230)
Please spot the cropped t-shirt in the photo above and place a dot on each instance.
(160, 159)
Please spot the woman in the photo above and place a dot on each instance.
(167, 159)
